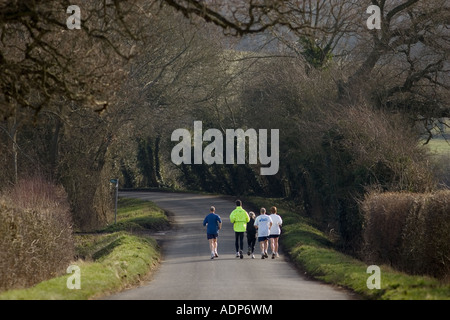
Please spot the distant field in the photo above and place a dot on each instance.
(440, 146)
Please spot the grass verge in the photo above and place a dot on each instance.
(138, 215)
(313, 252)
(110, 260)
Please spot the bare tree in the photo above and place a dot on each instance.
(411, 49)
(40, 58)
(414, 33)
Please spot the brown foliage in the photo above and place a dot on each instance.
(409, 231)
(35, 233)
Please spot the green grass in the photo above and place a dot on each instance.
(123, 261)
(314, 253)
(135, 215)
(108, 261)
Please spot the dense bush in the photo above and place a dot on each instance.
(409, 230)
(35, 233)
(348, 151)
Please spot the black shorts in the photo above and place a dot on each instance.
(274, 236)
(260, 239)
(212, 235)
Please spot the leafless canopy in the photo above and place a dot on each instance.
(40, 57)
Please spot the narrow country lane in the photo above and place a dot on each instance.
(188, 273)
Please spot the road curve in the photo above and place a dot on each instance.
(188, 273)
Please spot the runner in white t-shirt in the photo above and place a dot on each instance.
(263, 223)
(275, 231)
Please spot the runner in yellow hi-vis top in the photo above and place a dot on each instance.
(239, 217)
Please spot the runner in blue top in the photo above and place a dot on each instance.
(214, 224)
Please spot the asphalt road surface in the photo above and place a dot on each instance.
(188, 273)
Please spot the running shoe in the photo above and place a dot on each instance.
(237, 255)
(273, 255)
(216, 255)
(241, 255)
(212, 255)
(262, 255)
(266, 255)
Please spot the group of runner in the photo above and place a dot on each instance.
(264, 228)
